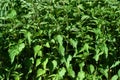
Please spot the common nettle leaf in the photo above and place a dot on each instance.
(104, 72)
(54, 62)
(96, 57)
(15, 50)
(28, 36)
(40, 72)
(115, 77)
(47, 45)
(38, 61)
(91, 68)
(81, 65)
(12, 14)
(80, 6)
(62, 72)
(71, 72)
(59, 39)
(1, 35)
(119, 73)
(85, 48)
(68, 61)
(104, 48)
(17, 77)
(81, 75)
(44, 63)
(115, 64)
(37, 50)
(61, 50)
(73, 43)
(84, 17)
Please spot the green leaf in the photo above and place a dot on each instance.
(20, 47)
(105, 49)
(71, 72)
(47, 45)
(59, 39)
(81, 75)
(1, 35)
(68, 61)
(61, 50)
(91, 68)
(115, 77)
(37, 49)
(119, 73)
(73, 43)
(81, 65)
(29, 37)
(80, 6)
(42, 23)
(62, 72)
(97, 31)
(12, 14)
(38, 61)
(104, 72)
(115, 64)
(40, 72)
(40, 53)
(54, 62)
(85, 48)
(84, 17)
(44, 63)
(17, 77)
(15, 50)
(97, 55)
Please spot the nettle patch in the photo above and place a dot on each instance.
(59, 40)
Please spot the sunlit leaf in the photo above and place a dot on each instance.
(91, 68)
(44, 63)
(104, 72)
(17, 77)
(71, 72)
(115, 64)
(73, 43)
(68, 61)
(81, 75)
(84, 17)
(96, 57)
(61, 50)
(59, 39)
(12, 14)
(47, 45)
(80, 6)
(115, 77)
(38, 61)
(54, 62)
(119, 73)
(85, 48)
(81, 65)
(62, 72)
(40, 72)
(29, 38)
(15, 50)
(37, 49)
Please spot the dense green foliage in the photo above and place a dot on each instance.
(59, 39)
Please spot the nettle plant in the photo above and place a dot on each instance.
(59, 40)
